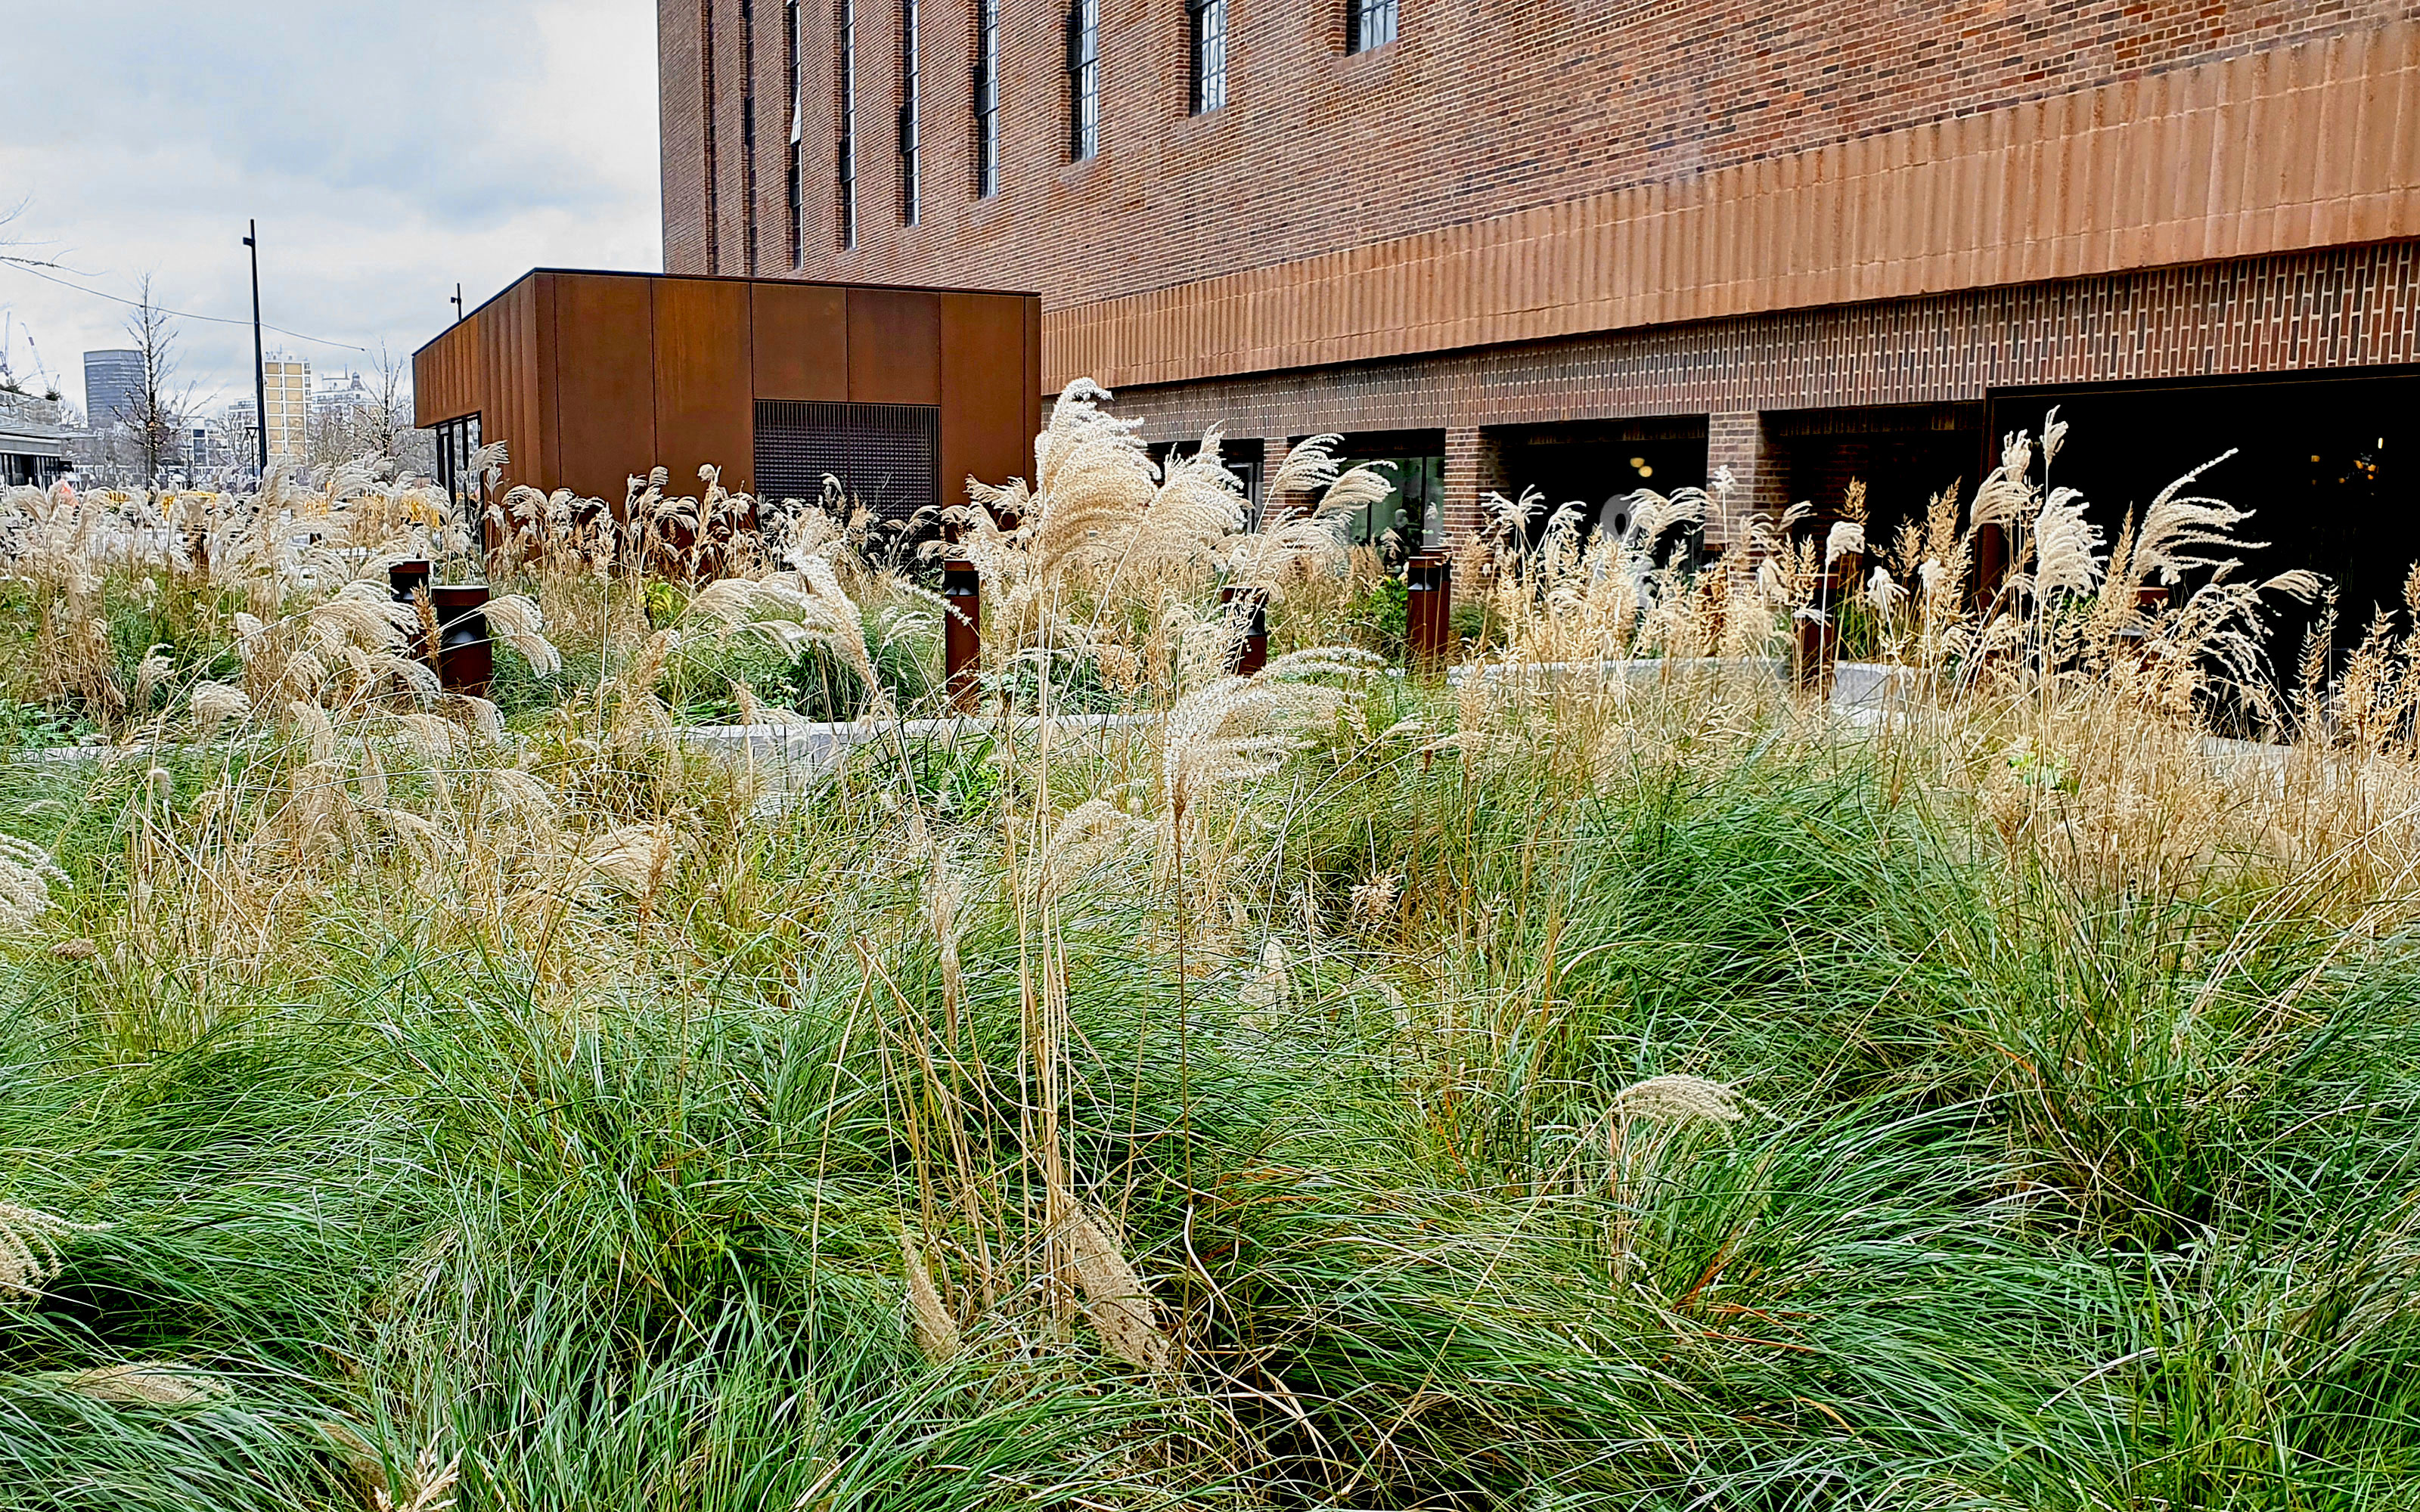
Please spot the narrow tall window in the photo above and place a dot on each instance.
(1083, 79)
(986, 98)
(846, 30)
(1367, 23)
(1208, 19)
(911, 125)
(748, 133)
(794, 171)
(713, 178)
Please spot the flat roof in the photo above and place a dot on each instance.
(721, 278)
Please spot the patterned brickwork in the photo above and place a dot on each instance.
(1276, 506)
(1474, 469)
(2352, 307)
(1744, 469)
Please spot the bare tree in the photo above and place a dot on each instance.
(156, 413)
(7, 218)
(376, 422)
(412, 450)
(243, 430)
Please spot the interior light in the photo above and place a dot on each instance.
(1639, 462)
(1646, 471)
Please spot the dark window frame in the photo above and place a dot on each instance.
(748, 135)
(844, 56)
(986, 98)
(458, 443)
(793, 188)
(911, 107)
(712, 134)
(1371, 24)
(1206, 40)
(1083, 80)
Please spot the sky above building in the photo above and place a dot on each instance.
(388, 150)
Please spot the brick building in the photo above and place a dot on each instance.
(1585, 244)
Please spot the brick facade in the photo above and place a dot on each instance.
(2357, 307)
(1526, 212)
(1483, 107)
(1474, 469)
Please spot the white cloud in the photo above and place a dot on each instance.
(387, 149)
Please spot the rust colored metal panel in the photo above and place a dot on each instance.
(1034, 396)
(894, 346)
(704, 412)
(545, 396)
(503, 350)
(984, 384)
(530, 429)
(444, 384)
(802, 334)
(604, 384)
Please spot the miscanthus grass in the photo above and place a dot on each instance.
(1324, 1089)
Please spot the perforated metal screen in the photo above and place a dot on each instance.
(887, 457)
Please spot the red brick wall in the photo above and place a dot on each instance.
(1484, 106)
(681, 87)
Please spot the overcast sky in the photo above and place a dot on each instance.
(388, 149)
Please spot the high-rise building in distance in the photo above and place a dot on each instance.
(286, 383)
(113, 386)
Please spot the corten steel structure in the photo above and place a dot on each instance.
(1583, 245)
(591, 379)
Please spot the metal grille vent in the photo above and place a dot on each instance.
(887, 457)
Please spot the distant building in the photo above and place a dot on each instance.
(205, 447)
(35, 443)
(341, 393)
(113, 386)
(288, 383)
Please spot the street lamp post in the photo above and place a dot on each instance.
(259, 362)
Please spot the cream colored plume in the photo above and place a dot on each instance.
(143, 1383)
(1239, 727)
(635, 858)
(1272, 986)
(515, 620)
(27, 874)
(29, 1251)
(2066, 546)
(1677, 1099)
(1847, 538)
(928, 1317)
(1115, 1299)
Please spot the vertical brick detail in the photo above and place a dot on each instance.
(1736, 441)
(1474, 468)
(1276, 506)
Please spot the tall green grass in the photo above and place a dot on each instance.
(2046, 1195)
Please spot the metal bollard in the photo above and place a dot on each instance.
(1252, 648)
(406, 579)
(1816, 642)
(1428, 584)
(961, 631)
(466, 658)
